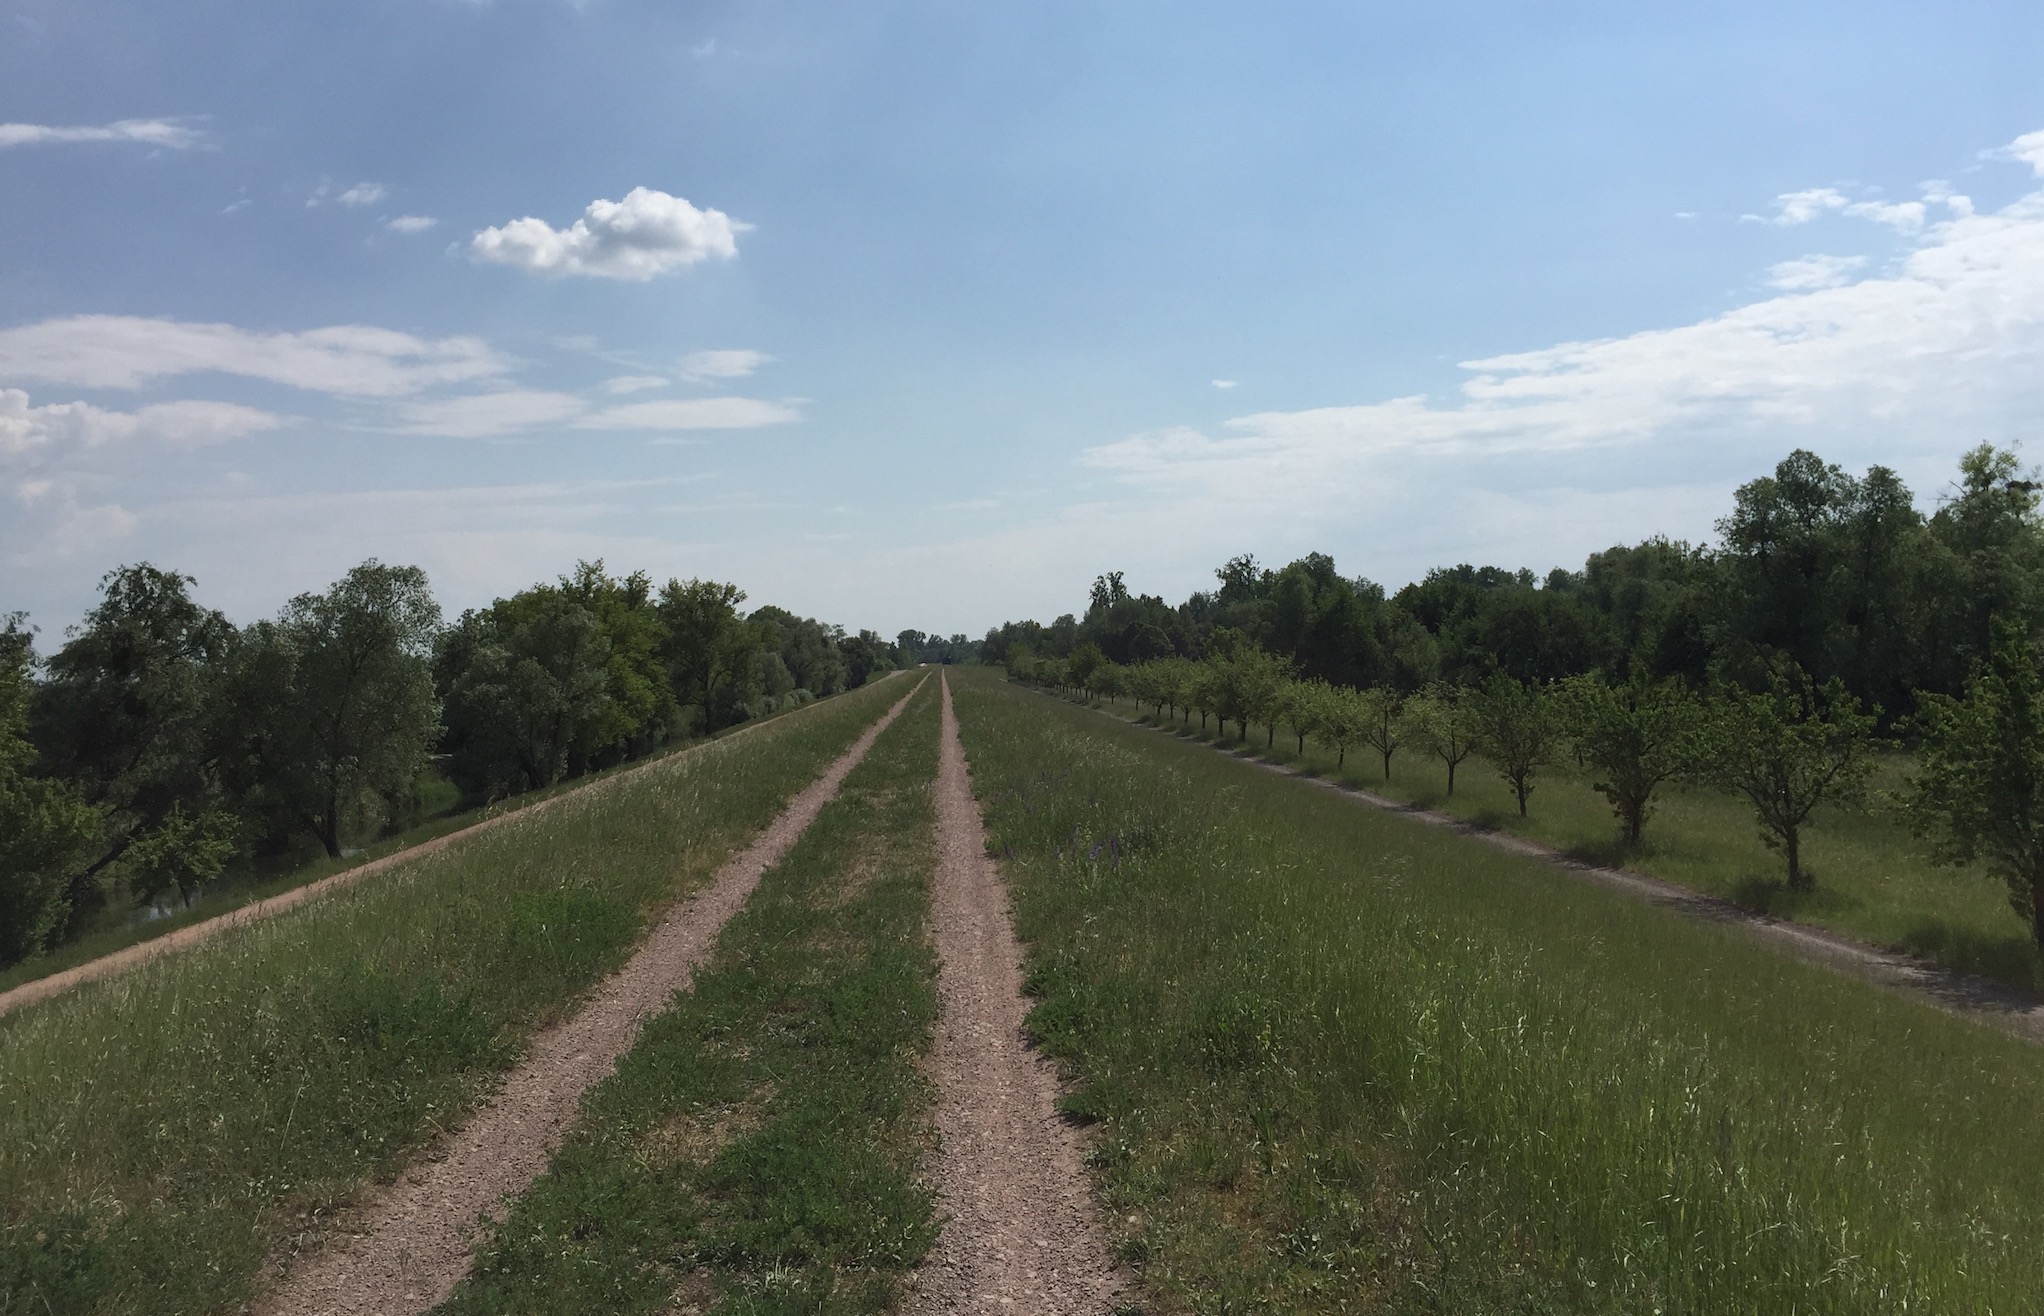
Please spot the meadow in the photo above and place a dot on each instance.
(757, 1151)
(1337, 1060)
(164, 1132)
(1874, 880)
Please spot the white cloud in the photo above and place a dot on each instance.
(649, 233)
(483, 414)
(1904, 216)
(1792, 208)
(693, 414)
(117, 351)
(167, 133)
(2027, 149)
(1811, 272)
(26, 429)
(1890, 366)
(1224, 383)
(725, 363)
(410, 223)
(363, 194)
(633, 384)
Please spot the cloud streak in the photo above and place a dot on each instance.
(27, 430)
(169, 134)
(125, 352)
(646, 235)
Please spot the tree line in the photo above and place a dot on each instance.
(160, 743)
(1831, 618)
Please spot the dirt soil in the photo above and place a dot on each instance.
(1021, 1231)
(41, 989)
(414, 1242)
(1969, 995)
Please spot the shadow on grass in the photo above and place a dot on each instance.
(1771, 895)
(2008, 958)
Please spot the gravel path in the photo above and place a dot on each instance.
(414, 1242)
(1965, 994)
(1021, 1233)
(41, 989)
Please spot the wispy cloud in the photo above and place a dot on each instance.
(363, 194)
(1810, 272)
(724, 363)
(169, 134)
(481, 415)
(410, 223)
(1223, 383)
(623, 384)
(118, 351)
(647, 234)
(1793, 208)
(693, 414)
(61, 426)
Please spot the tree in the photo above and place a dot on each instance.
(1516, 730)
(1342, 719)
(337, 699)
(1383, 723)
(44, 824)
(1299, 704)
(1635, 736)
(1787, 749)
(707, 648)
(1979, 789)
(525, 686)
(131, 716)
(1443, 722)
(183, 854)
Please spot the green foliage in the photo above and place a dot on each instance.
(1979, 793)
(1635, 735)
(1442, 721)
(1382, 718)
(1787, 749)
(44, 826)
(334, 702)
(1516, 729)
(183, 854)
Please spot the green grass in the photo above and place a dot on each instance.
(756, 1151)
(439, 812)
(1875, 881)
(1342, 1061)
(164, 1130)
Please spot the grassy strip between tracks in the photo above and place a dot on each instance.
(164, 1130)
(1343, 1061)
(756, 1152)
(1875, 881)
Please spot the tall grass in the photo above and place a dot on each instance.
(162, 1131)
(1344, 1061)
(756, 1151)
(1875, 881)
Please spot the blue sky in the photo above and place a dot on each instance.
(924, 314)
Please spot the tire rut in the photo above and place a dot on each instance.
(415, 1241)
(1021, 1232)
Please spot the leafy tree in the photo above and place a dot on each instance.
(131, 716)
(183, 854)
(525, 687)
(337, 699)
(1298, 706)
(1979, 789)
(1342, 719)
(1635, 736)
(1383, 723)
(45, 827)
(1787, 749)
(1443, 722)
(1516, 730)
(708, 647)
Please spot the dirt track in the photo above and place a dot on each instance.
(413, 1243)
(1021, 1233)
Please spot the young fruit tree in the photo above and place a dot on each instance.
(1341, 719)
(1442, 721)
(1635, 737)
(1383, 723)
(1515, 728)
(1298, 708)
(1787, 749)
(1979, 790)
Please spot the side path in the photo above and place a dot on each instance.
(1021, 1233)
(415, 1243)
(41, 989)
(1965, 994)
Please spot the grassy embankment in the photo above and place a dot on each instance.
(1345, 1061)
(756, 1151)
(1875, 881)
(162, 1131)
(439, 810)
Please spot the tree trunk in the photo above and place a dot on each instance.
(1341, 757)
(1387, 765)
(1792, 847)
(2037, 911)
(1451, 776)
(1270, 735)
(1521, 787)
(1302, 744)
